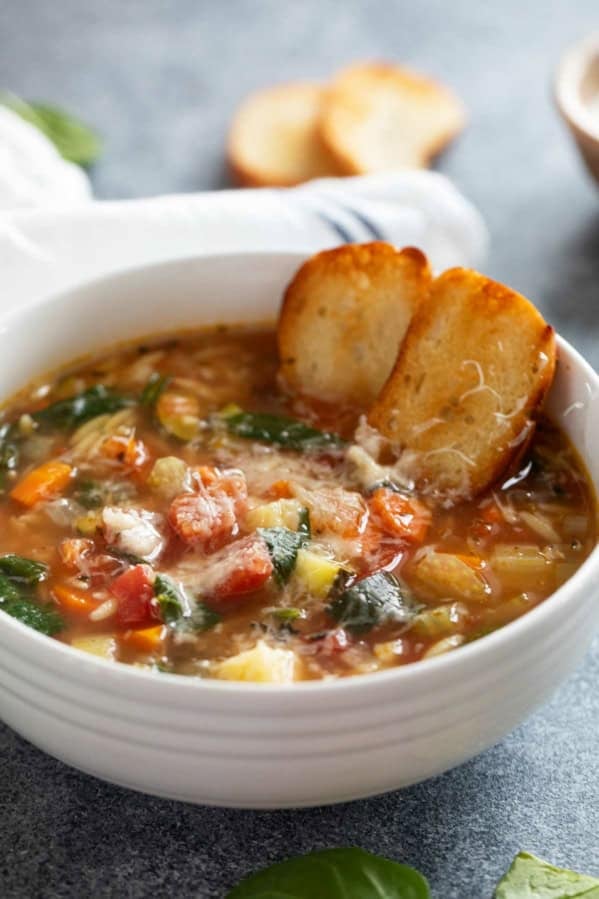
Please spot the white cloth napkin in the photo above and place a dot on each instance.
(53, 237)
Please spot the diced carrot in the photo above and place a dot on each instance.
(245, 567)
(335, 509)
(77, 602)
(209, 518)
(126, 449)
(400, 516)
(281, 490)
(44, 482)
(147, 639)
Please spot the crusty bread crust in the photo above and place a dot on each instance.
(379, 116)
(274, 139)
(344, 316)
(469, 382)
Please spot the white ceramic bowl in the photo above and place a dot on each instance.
(265, 746)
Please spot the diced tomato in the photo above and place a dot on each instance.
(80, 554)
(335, 510)
(135, 594)
(400, 516)
(130, 452)
(380, 551)
(246, 566)
(209, 517)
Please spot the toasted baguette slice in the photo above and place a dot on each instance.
(467, 386)
(344, 316)
(379, 117)
(274, 138)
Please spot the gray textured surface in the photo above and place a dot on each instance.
(159, 80)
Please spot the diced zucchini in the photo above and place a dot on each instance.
(445, 575)
(439, 621)
(169, 477)
(317, 573)
(262, 664)
(102, 645)
(284, 513)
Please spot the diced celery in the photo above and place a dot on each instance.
(522, 567)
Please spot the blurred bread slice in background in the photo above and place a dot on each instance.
(344, 316)
(378, 117)
(469, 382)
(275, 139)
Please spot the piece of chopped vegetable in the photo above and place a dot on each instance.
(532, 878)
(209, 517)
(134, 592)
(44, 482)
(286, 432)
(102, 645)
(283, 513)
(446, 644)
(146, 639)
(134, 532)
(154, 387)
(8, 589)
(430, 623)
(22, 569)
(286, 614)
(74, 140)
(126, 449)
(75, 410)
(400, 516)
(9, 453)
(262, 664)
(76, 602)
(245, 567)
(522, 566)
(201, 618)
(170, 598)
(44, 619)
(445, 575)
(283, 546)
(89, 494)
(371, 602)
(334, 510)
(169, 477)
(316, 573)
(179, 414)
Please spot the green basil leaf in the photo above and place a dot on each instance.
(154, 387)
(44, 619)
(335, 874)
(82, 407)
(170, 598)
(74, 140)
(8, 589)
(283, 546)
(22, 569)
(89, 494)
(532, 878)
(375, 600)
(286, 432)
(202, 618)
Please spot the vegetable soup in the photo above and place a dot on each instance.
(171, 506)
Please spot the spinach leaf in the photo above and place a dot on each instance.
(532, 878)
(286, 432)
(304, 526)
(89, 494)
(170, 598)
(374, 600)
(8, 589)
(41, 618)
(283, 545)
(337, 874)
(154, 387)
(9, 452)
(22, 569)
(75, 410)
(202, 618)
(74, 141)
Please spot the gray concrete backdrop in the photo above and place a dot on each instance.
(159, 80)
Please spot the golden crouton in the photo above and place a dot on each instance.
(344, 316)
(378, 117)
(469, 382)
(274, 139)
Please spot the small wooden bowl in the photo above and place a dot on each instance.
(577, 97)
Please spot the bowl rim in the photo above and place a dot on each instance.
(569, 73)
(402, 675)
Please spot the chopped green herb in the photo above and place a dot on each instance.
(74, 141)
(8, 589)
(286, 432)
(89, 494)
(283, 546)
(202, 618)
(170, 598)
(335, 874)
(9, 452)
(153, 389)
(303, 525)
(44, 619)
(375, 600)
(22, 569)
(289, 614)
(76, 410)
(532, 878)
